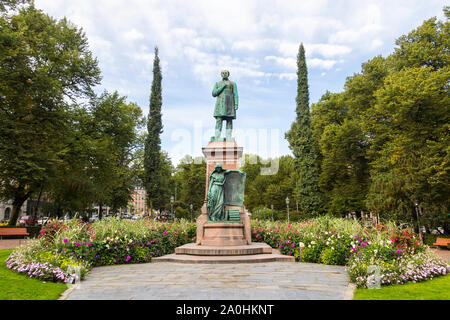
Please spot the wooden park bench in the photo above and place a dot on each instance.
(442, 243)
(13, 232)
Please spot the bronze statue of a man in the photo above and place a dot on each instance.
(226, 105)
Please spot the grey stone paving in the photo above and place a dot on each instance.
(174, 281)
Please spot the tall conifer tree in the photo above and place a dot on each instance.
(301, 143)
(152, 157)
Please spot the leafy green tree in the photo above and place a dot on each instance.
(343, 177)
(43, 63)
(301, 143)
(263, 190)
(190, 179)
(166, 185)
(114, 128)
(152, 155)
(13, 4)
(409, 124)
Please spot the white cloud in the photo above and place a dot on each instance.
(322, 63)
(134, 34)
(291, 63)
(257, 40)
(323, 49)
(288, 76)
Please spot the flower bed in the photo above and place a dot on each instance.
(65, 248)
(397, 254)
(68, 250)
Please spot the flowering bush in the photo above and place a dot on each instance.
(36, 262)
(74, 244)
(415, 268)
(343, 242)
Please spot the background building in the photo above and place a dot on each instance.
(138, 202)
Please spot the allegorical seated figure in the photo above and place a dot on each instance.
(226, 105)
(215, 201)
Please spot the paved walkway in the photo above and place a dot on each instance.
(444, 254)
(254, 281)
(12, 243)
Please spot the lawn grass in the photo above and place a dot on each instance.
(15, 286)
(436, 289)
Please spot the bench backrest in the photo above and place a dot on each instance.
(442, 241)
(13, 231)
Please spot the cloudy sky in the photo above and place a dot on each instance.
(256, 40)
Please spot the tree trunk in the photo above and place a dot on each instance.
(36, 209)
(17, 204)
(100, 212)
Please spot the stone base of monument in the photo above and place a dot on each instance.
(223, 234)
(228, 241)
(253, 253)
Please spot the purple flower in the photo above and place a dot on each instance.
(65, 240)
(128, 259)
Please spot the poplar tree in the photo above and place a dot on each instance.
(301, 143)
(152, 153)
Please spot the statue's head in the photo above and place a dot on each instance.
(225, 74)
(218, 168)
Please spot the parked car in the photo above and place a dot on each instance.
(136, 217)
(27, 221)
(42, 220)
(93, 218)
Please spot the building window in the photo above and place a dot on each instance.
(7, 214)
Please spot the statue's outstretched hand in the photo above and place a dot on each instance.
(236, 107)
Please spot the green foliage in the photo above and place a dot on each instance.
(269, 182)
(152, 156)
(384, 141)
(190, 180)
(300, 139)
(13, 4)
(43, 64)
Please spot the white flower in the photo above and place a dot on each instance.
(301, 245)
(313, 242)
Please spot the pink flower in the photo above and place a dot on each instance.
(128, 259)
(65, 240)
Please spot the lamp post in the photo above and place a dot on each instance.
(416, 204)
(287, 205)
(171, 206)
(191, 207)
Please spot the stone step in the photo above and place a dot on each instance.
(275, 256)
(194, 249)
